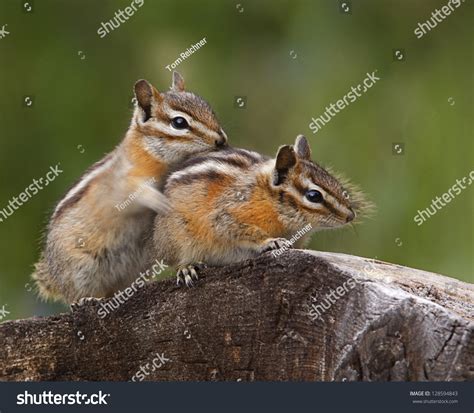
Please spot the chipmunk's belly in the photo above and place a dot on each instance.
(106, 261)
(123, 261)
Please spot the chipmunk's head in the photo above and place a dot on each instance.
(175, 123)
(312, 194)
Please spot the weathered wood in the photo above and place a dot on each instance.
(254, 321)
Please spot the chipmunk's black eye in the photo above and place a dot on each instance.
(179, 123)
(314, 196)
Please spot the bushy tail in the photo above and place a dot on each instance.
(45, 285)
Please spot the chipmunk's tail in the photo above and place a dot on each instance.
(46, 289)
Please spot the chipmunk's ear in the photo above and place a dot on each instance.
(178, 82)
(146, 96)
(303, 151)
(285, 160)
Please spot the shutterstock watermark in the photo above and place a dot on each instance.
(4, 32)
(3, 312)
(292, 240)
(112, 24)
(31, 190)
(48, 398)
(437, 16)
(184, 55)
(159, 361)
(122, 296)
(319, 307)
(317, 123)
(440, 202)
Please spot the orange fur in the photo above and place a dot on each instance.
(260, 212)
(144, 164)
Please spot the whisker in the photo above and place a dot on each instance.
(354, 228)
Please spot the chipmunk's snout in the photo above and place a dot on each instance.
(222, 140)
(350, 217)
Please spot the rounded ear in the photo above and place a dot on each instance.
(284, 161)
(177, 84)
(146, 96)
(303, 151)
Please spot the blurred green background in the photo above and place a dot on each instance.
(290, 59)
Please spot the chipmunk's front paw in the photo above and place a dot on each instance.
(275, 244)
(83, 301)
(188, 273)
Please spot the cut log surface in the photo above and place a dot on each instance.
(305, 315)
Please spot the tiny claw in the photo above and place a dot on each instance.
(189, 281)
(179, 277)
(276, 244)
(189, 273)
(83, 301)
(193, 273)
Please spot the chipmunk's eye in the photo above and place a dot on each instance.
(314, 196)
(179, 123)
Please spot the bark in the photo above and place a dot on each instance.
(257, 321)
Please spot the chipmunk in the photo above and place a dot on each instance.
(95, 241)
(235, 204)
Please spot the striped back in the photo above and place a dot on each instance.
(214, 166)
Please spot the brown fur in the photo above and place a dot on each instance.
(240, 204)
(93, 248)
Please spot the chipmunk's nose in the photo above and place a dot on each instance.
(222, 141)
(350, 217)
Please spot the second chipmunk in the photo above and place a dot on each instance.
(93, 248)
(235, 204)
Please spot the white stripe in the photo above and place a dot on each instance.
(207, 166)
(83, 183)
(191, 121)
(311, 185)
(174, 113)
(166, 128)
(163, 127)
(241, 155)
(205, 130)
(333, 201)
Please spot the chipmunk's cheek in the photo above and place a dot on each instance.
(319, 220)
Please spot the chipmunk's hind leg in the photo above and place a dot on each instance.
(188, 273)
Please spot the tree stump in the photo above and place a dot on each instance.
(305, 315)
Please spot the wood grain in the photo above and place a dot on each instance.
(254, 321)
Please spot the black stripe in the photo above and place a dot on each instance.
(331, 208)
(239, 163)
(322, 178)
(72, 201)
(238, 158)
(225, 155)
(207, 176)
(193, 161)
(254, 157)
